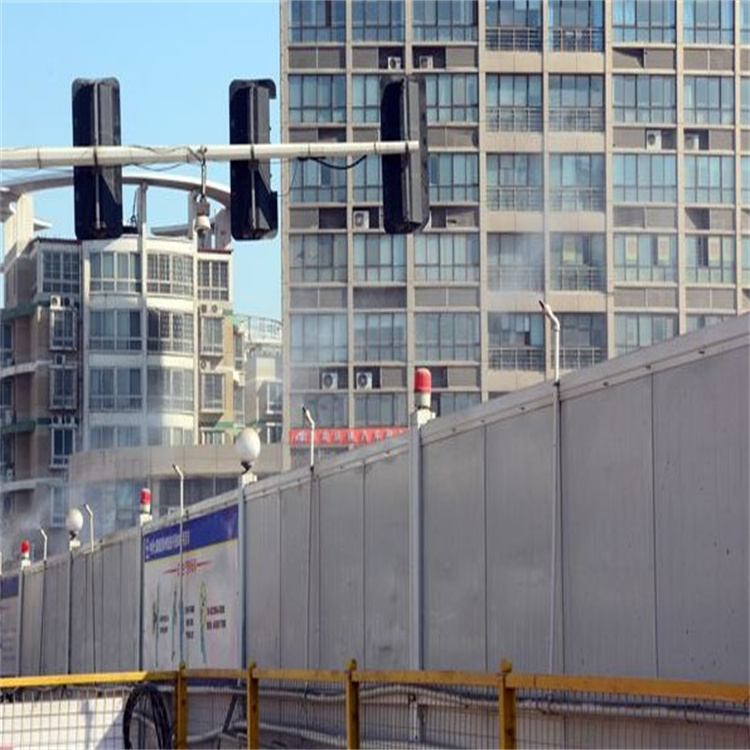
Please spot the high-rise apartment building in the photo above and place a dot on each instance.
(127, 350)
(593, 153)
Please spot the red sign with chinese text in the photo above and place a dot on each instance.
(344, 436)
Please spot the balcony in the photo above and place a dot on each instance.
(576, 119)
(515, 278)
(516, 358)
(577, 40)
(578, 357)
(578, 278)
(515, 198)
(514, 39)
(514, 119)
(577, 198)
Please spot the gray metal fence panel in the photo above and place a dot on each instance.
(607, 531)
(386, 572)
(455, 552)
(519, 523)
(341, 515)
(55, 617)
(263, 579)
(81, 614)
(31, 621)
(701, 456)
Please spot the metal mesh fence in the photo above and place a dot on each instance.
(428, 715)
(580, 719)
(301, 713)
(217, 712)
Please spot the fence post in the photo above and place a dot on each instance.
(181, 701)
(253, 705)
(507, 701)
(352, 708)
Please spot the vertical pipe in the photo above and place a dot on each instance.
(181, 701)
(507, 709)
(253, 707)
(352, 708)
(416, 645)
(555, 514)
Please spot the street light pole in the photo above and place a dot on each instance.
(310, 421)
(179, 473)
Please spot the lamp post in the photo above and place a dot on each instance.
(44, 537)
(74, 524)
(90, 512)
(555, 321)
(247, 447)
(178, 471)
(311, 422)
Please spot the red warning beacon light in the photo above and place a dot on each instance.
(423, 388)
(146, 500)
(25, 553)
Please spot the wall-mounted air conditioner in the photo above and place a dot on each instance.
(363, 381)
(329, 381)
(692, 142)
(55, 301)
(653, 140)
(361, 219)
(10, 475)
(59, 359)
(426, 62)
(393, 63)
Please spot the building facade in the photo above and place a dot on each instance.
(124, 351)
(595, 154)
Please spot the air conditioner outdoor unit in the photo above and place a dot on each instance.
(692, 142)
(69, 421)
(394, 63)
(59, 359)
(6, 416)
(10, 475)
(55, 301)
(361, 219)
(426, 62)
(204, 364)
(214, 309)
(329, 381)
(364, 381)
(653, 140)
(204, 309)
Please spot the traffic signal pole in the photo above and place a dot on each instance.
(106, 156)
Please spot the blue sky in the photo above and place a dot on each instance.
(174, 61)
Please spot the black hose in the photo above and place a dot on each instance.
(151, 710)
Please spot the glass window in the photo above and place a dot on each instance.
(515, 262)
(644, 178)
(645, 257)
(583, 340)
(446, 257)
(516, 341)
(634, 330)
(61, 272)
(644, 21)
(317, 21)
(577, 182)
(213, 279)
(380, 410)
(368, 186)
(448, 402)
(170, 389)
(709, 259)
(447, 336)
(515, 182)
(115, 272)
(170, 436)
(379, 257)
(698, 322)
(745, 101)
(745, 22)
(746, 261)
(115, 389)
(576, 103)
(317, 98)
(62, 329)
(318, 257)
(114, 436)
(62, 445)
(576, 25)
(319, 338)
(378, 20)
(366, 98)
(452, 97)
(380, 337)
(514, 103)
(212, 335)
(328, 410)
(170, 274)
(115, 330)
(745, 179)
(63, 387)
(313, 182)
(708, 21)
(578, 262)
(445, 20)
(514, 25)
(58, 509)
(709, 179)
(212, 391)
(170, 331)
(647, 99)
(454, 177)
(213, 437)
(709, 99)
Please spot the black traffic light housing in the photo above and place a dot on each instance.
(97, 190)
(406, 181)
(254, 206)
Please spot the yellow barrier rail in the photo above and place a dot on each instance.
(372, 708)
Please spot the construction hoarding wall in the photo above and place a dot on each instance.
(10, 602)
(606, 532)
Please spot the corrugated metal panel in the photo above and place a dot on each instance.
(701, 418)
(386, 571)
(263, 580)
(341, 580)
(55, 617)
(31, 622)
(607, 532)
(519, 522)
(454, 552)
(81, 640)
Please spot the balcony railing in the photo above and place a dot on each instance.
(577, 199)
(516, 358)
(578, 357)
(510, 278)
(577, 40)
(514, 119)
(578, 278)
(517, 39)
(515, 198)
(576, 119)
